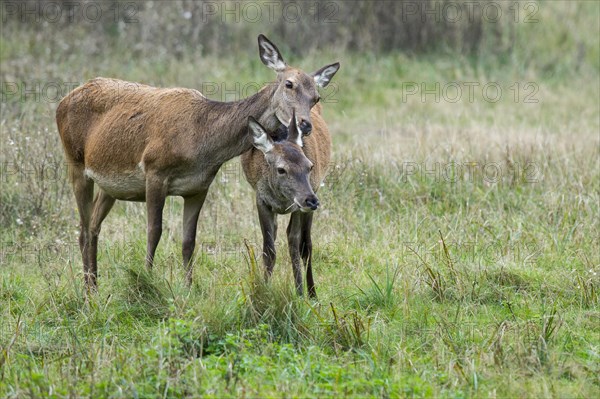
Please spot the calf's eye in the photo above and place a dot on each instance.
(281, 171)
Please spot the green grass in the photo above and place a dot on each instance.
(436, 277)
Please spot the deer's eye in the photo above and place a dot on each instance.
(281, 171)
(289, 84)
(317, 99)
(311, 167)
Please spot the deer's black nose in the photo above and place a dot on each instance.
(305, 127)
(312, 202)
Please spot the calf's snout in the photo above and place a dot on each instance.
(312, 202)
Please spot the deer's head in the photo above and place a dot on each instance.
(287, 176)
(296, 89)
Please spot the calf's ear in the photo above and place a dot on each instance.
(260, 138)
(294, 134)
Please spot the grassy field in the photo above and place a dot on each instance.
(456, 252)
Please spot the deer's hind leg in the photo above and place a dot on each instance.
(83, 188)
(103, 203)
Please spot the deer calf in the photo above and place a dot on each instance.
(286, 175)
(142, 143)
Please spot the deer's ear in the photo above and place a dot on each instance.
(324, 75)
(260, 138)
(294, 134)
(270, 55)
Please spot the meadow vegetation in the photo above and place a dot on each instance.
(456, 253)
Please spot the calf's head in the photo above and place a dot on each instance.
(287, 175)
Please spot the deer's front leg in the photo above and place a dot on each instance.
(306, 252)
(156, 193)
(268, 226)
(191, 210)
(294, 234)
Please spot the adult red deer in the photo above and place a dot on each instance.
(286, 175)
(141, 143)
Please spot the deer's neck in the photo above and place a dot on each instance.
(229, 132)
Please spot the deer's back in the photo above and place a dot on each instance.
(110, 118)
